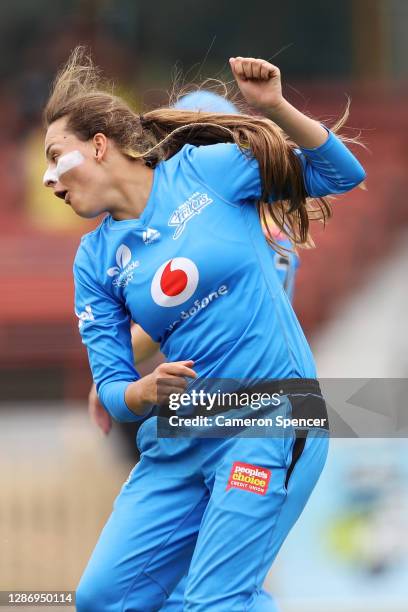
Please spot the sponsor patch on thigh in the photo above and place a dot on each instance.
(248, 477)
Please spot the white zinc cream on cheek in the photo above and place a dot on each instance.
(66, 162)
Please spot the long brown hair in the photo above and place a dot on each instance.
(81, 95)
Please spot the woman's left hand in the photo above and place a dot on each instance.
(97, 412)
(259, 82)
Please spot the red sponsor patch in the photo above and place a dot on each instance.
(248, 477)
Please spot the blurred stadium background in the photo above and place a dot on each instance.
(58, 474)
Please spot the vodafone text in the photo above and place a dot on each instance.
(199, 305)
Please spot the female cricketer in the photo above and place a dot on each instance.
(181, 252)
(286, 264)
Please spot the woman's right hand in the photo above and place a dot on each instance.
(155, 388)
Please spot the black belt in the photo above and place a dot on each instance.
(286, 386)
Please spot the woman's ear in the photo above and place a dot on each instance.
(100, 143)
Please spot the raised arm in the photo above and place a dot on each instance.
(260, 84)
(329, 167)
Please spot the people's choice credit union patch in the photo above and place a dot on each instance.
(248, 477)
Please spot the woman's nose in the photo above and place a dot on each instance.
(50, 177)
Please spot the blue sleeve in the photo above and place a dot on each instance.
(104, 325)
(328, 169)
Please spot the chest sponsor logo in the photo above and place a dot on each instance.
(174, 282)
(123, 271)
(248, 477)
(186, 211)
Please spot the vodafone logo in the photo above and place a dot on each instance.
(174, 282)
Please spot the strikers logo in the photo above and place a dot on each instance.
(249, 477)
(174, 282)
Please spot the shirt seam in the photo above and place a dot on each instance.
(218, 195)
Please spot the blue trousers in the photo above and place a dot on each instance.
(181, 513)
(264, 603)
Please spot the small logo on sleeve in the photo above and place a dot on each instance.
(249, 477)
(85, 315)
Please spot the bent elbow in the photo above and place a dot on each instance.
(347, 182)
(357, 177)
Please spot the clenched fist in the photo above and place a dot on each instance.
(155, 388)
(259, 82)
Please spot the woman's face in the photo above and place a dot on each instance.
(74, 172)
